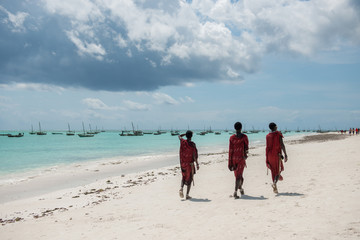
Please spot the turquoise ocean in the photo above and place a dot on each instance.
(31, 152)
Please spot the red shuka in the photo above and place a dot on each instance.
(188, 154)
(273, 153)
(237, 154)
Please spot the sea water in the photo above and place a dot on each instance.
(31, 152)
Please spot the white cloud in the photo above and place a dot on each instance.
(236, 33)
(163, 98)
(97, 104)
(84, 48)
(79, 10)
(187, 99)
(134, 106)
(32, 87)
(15, 21)
(121, 41)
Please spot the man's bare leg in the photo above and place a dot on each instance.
(274, 184)
(240, 187)
(237, 185)
(188, 187)
(181, 191)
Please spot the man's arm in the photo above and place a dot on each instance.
(195, 157)
(230, 163)
(283, 149)
(181, 136)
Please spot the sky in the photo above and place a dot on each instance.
(175, 64)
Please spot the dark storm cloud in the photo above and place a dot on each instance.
(46, 55)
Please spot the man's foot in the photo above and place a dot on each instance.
(236, 196)
(242, 191)
(181, 194)
(188, 197)
(274, 188)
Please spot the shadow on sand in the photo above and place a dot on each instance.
(247, 197)
(289, 194)
(197, 200)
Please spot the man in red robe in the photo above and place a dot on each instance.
(274, 148)
(188, 155)
(238, 149)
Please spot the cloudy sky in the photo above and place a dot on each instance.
(176, 63)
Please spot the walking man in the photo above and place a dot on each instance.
(274, 148)
(188, 155)
(238, 150)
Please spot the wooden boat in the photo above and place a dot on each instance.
(149, 133)
(40, 132)
(57, 133)
(69, 132)
(175, 133)
(136, 132)
(202, 133)
(85, 134)
(133, 133)
(17, 135)
(32, 130)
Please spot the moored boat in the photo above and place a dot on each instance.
(85, 134)
(16, 135)
(40, 132)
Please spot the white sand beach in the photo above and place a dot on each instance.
(318, 199)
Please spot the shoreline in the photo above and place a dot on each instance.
(17, 186)
(317, 200)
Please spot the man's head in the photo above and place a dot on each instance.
(189, 134)
(272, 126)
(238, 126)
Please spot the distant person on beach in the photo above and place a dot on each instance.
(188, 155)
(274, 148)
(238, 150)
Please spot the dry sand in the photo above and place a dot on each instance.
(318, 199)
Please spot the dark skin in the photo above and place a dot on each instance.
(239, 182)
(283, 150)
(197, 167)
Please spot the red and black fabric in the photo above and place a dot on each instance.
(188, 154)
(273, 154)
(238, 146)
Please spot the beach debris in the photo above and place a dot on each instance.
(49, 212)
(13, 220)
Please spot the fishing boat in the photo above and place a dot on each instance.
(85, 134)
(32, 130)
(202, 133)
(148, 132)
(69, 132)
(133, 133)
(175, 133)
(17, 135)
(136, 132)
(40, 132)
